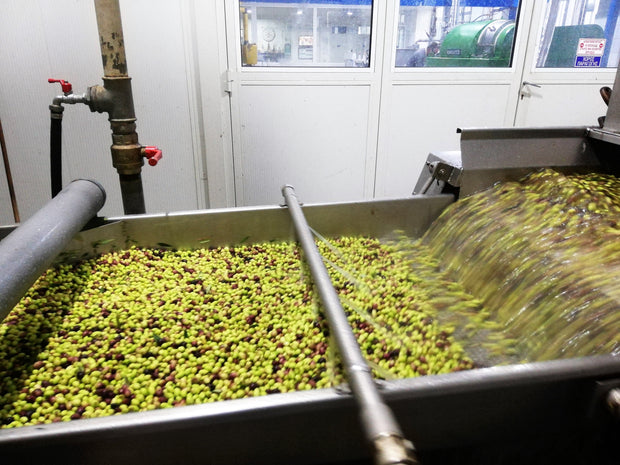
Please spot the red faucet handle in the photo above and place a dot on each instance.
(67, 88)
(153, 154)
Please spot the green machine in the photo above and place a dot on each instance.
(481, 43)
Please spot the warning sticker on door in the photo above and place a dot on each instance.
(589, 52)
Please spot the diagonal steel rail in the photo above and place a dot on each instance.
(379, 424)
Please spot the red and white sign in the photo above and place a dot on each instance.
(591, 47)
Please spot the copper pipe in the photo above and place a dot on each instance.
(9, 177)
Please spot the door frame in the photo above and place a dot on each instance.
(551, 76)
(238, 76)
(397, 76)
(211, 103)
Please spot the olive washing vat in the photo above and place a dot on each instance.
(545, 410)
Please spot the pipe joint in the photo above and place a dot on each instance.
(394, 450)
(70, 99)
(68, 96)
(127, 159)
(100, 101)
(56, 110)
(114, 98)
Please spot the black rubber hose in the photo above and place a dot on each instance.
(56, 153)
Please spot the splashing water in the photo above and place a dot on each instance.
(543, 258)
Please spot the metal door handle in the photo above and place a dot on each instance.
(523, 92)
(527, 83)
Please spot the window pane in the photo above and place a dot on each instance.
(305, 33)
(440, 33)
(579, 34)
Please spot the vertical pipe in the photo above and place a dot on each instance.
(380, 425)
(111, 38)
(116, 99)
(246, 33)
(131, 188)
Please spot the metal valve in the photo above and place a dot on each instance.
(152, 154)
(66, 86)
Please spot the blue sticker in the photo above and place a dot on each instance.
(588, 62)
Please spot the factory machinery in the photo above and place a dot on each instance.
(557, 411)
(543, 412)
(480, 43)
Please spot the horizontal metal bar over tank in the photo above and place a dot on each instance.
(379, 424)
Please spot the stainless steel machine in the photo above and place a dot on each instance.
(543, 412)
(560, 411)
(488, 156)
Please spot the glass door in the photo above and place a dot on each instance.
(447, 65)
(304, 80)
(573, 51)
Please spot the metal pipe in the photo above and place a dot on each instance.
(246, 34)
(131, 187)
(9, 177)
(111, 37)
(378, 421)
(31, 248)
(115, 98)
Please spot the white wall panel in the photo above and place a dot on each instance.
(313, 137)
(59, 38)
(213, 102)
(423, 118)
(153, 32)
(24, 69)
(562, 105)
